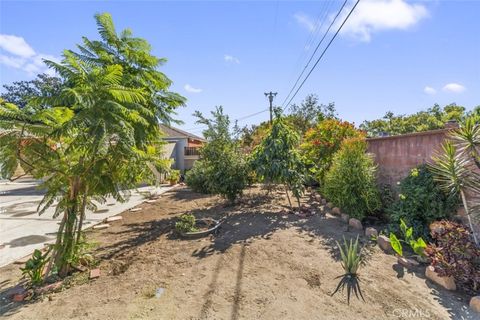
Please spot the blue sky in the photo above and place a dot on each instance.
(393, 55)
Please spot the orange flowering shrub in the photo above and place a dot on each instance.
(320, 144)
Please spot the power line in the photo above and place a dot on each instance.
(314, 52)
(315, 31)
(323, 53)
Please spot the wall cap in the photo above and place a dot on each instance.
(421, 133)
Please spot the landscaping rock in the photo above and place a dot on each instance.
(101, 226)
(136, 209)
(323, 201)
(384, 243)
(94, 273)
(330, 205)
(355, 224)
(407, 263)
(18, 289)
(151, 201)
(336, 211)
(369, 232)
(475, 304)
(446, 282)
(19, 297)
(115, 218)
(345, 217)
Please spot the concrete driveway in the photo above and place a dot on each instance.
(22, 230)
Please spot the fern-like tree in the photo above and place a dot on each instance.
(277, 160)
(97, 137)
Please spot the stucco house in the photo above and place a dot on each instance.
(181, 146)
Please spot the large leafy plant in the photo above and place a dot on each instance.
(97, 137)
(276, 159)
(418, 246)
(421, 201)
(350, 183)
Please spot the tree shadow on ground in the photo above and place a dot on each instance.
(455, 303)
(134, 235)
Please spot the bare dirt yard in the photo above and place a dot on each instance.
(263, 264)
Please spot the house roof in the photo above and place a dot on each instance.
(171, 132)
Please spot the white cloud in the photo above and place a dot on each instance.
(454, 87)
(305, 21)
(230, 58)
(429, 90)
(16, 46)
(18, 54)
(13, 62)
(191, 89)
(372, 16)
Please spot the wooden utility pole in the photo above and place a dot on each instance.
(270, 96)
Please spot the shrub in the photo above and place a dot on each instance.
(323, 141)
(186, 223)
(222, 169)
(455, 254)
(420, 202)
(350, 182)
(196, 178)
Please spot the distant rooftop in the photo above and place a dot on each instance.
(171, 132)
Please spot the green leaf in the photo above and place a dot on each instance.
(396, 245)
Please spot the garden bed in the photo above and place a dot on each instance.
(263, 264)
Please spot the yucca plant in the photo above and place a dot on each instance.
(453, 171)
(351, 260)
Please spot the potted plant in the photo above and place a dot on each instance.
(174, 177)
(189, 227)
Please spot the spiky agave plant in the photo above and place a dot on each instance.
(351, 260)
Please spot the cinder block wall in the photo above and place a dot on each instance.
(397, 155)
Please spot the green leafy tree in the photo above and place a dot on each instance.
(308, 113)
(350, 183)
(323, 141)
(277, 160)
(430, 119)
(98, 137)
(20, 93)
(222, 169)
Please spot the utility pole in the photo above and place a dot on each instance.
(270, 96)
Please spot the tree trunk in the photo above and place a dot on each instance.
(288, 197)
(82, 214)
(467, 212)
(66, 250)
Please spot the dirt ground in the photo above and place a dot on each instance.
(263, 264)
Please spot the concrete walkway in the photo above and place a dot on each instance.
(22, 230)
